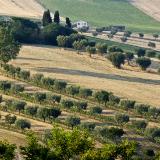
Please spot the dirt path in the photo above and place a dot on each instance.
(150, 7)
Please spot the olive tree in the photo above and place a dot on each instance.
(43, 113)
(23, 124)
(10, 119)
(143, 62)
(73, 121)
(121, 119)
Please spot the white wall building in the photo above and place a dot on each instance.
(81, 24)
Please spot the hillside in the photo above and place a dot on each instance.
(105, 12)
(21, 8)
(96, 73)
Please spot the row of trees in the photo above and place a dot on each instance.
(102, 97)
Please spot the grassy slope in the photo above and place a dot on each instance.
(104, 12)
(96, 73)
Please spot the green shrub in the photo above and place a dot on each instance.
(84, 92)
(17, 88)
(142, 109)
(36, 78)
(5, 85)
(102, 96)
(88, 125)
(127, 104)
(80, 105)
(67, 103)
(31, 110)
(24, 75)
(47, 81)
(140, 125)
(73, 121)
(60, 85)
(55, 98)
(39, 97)
(73, 90)
(54, 112)
(96, 110)
(151, 53)
(23, 124)
(121, 119)
(18, 106)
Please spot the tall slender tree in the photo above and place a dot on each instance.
(46, 18)
(68, 22)
(56, 17)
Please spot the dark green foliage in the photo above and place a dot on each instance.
(5, 85)
(80, 105)
(142, 109)
(155, 35)
(121, 119)
(24, 75)
(112, 133)
(7, 151)
(31, 110)
(88, 125)
(68, 23)
(140, 125)
(46, 18)
(80, 45)
(40, 97)
(143, 62)
(140, 52)
(67, 103)
(127, 104)
(23, 124)
(43, 113)
(25, 31)
(141, 35)
(47, 81)
(129, 56)
(55, 98)
(96, 110)
(124, 39)
(102, 48)
(84, 92)
(117, 59)
(18, 106)
(114, 49)
(72, 90)
(9, 48)
(35, 150)
(56, 17)
(54, 112)
(50, 33)
(17, 88)
(149, 152)
(102, 96)
(60, 85)
(73, 121)
(10, 119)
(151, 54)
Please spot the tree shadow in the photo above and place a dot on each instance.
(98, 75)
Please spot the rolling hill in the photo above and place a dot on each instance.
(106, 12)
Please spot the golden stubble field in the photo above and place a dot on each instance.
(96, 72)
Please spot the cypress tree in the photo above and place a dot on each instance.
(56, 17)
(68, 23)
(46, 18)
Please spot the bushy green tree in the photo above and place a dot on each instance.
(102, 96)
(31, 110)
(55, 98)
(60, 85)
(121, 119)
(7, 151)
(9, 48)
(54, 112)
(140, 52)
(140, 125)
(117, 59)
(88, 126)
(142, 109)
(18, 106)
(127, 104)
(102, 48)
(84, 92)
(129, 56)
(43, 113)
(24, 75)
(23, 124)
(114, 49)
(73, 121)
(67, 103)
(91, 50)
(73, 90)
(9, 119)
(39, 97)
(143, 62)
(96, 110)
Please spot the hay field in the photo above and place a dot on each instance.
(96, 73)
(21, 8)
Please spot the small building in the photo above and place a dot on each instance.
(81, 24)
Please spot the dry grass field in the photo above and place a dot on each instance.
(150, 7)
(21, 8)
(12, 137)
(96, 73)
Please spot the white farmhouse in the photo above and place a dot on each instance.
(81, 24)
